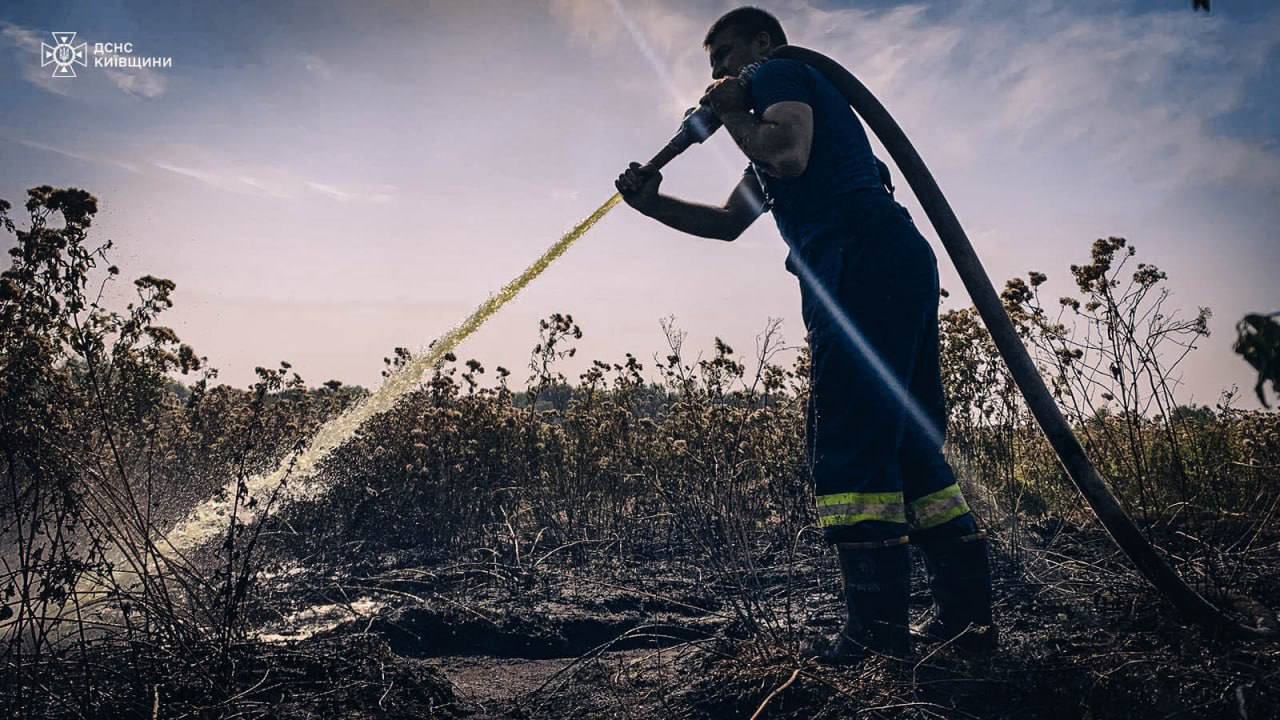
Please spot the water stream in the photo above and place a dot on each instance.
(211, 518)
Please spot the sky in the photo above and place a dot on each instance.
(325, 181)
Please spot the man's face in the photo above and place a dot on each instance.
(730, 52)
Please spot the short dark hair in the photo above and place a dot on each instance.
(747, 22)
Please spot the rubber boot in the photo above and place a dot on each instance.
(877, 586)
(960, 581)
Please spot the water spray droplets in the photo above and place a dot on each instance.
(209, 519)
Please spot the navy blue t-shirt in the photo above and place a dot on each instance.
(840, 158)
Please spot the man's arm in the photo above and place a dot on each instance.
(779, 140)
(639, 188)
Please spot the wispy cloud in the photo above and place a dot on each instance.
(74, 155)
(274, 181)
(27, 42)
(140, 82)
(203, 176)
(270, 188)
(1131, 94)
(137, 82)
(1099, 89)
(383, 195)
(329, 191)
(668, 36)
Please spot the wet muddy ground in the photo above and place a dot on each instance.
(1082, 638)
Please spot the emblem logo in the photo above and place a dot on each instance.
(63, 56)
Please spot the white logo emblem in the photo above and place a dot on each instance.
(63, 56)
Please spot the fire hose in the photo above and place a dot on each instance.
(701, 123)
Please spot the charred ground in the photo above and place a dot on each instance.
(636, 543)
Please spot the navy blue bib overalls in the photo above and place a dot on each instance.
(869, 290)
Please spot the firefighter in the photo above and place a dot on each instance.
(869, 301)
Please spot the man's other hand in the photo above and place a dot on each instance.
(727, 95)
(639, 186)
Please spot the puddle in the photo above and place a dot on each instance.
(318, 619)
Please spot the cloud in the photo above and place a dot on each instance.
(384, 195)
(139, 82)
(136, 82)
(1100, 94)
(83, 157)
(269, 188)
(28, 42)
(667, 36)
(1135, 96)
(258, 179)
(329, 191)
(203, 176)
(242, 180)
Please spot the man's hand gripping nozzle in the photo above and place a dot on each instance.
(638, 184)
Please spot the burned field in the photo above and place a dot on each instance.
(1082, 637)
(638, 541)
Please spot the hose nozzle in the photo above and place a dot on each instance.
(699, 124)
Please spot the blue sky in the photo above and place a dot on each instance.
(325, 181)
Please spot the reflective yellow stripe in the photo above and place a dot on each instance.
(853, 508)
(830, 520)
(936, 508)
(850, 498)
(873, 544)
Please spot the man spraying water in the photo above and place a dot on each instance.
(869, 301)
